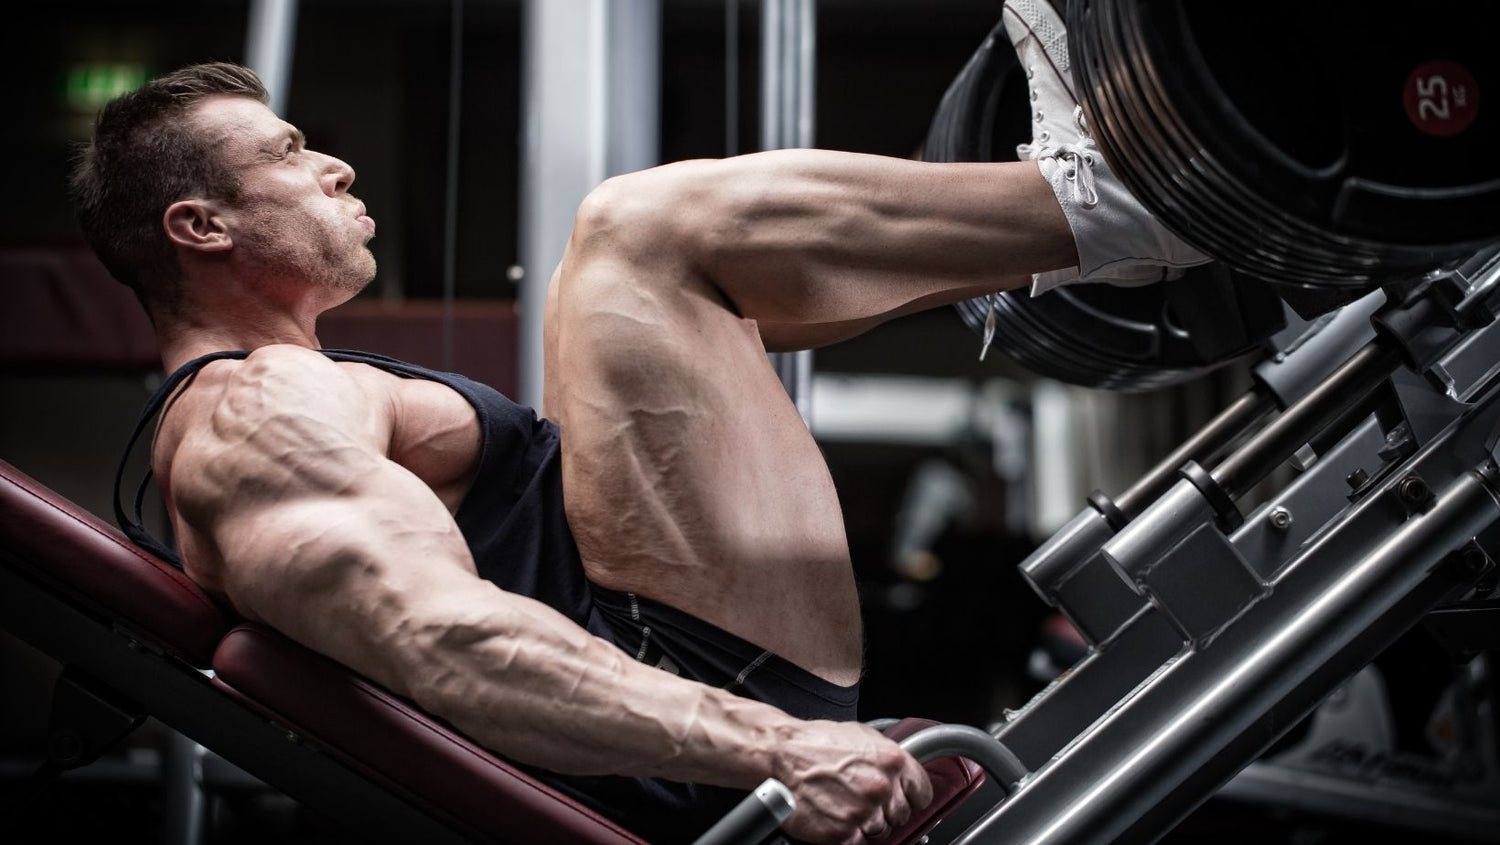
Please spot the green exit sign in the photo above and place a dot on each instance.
(87, 87)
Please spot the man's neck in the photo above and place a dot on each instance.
(184, 337)
(224, 310)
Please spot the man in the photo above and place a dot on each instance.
(685, 624)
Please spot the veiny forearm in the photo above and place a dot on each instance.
(522, 679)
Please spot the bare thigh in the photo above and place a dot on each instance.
(689, 476)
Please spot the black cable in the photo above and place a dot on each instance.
(450, 215)
(731, 77)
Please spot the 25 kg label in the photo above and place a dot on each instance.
(1441, 98)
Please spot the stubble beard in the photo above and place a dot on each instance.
(326, 259)
(358, 276)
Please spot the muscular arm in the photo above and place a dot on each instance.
(314, 531)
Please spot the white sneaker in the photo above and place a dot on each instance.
(1118, 240)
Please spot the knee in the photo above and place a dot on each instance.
(659, 214)
(627, 216)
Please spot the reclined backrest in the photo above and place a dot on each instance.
(331, 710)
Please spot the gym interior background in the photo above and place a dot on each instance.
(950, 469)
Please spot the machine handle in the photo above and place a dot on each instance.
(967, 741)
(756, 817)
(761, 812)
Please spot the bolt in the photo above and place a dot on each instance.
(1414, 490)
(1470, 563)
(1488, 581)
(67, 747)
(1280, 518)
(1472, 559)
(1357, 479)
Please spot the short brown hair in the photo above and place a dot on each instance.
(143, 157)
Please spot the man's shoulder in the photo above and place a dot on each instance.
(287, 356)
(285, 365)
(274, 380)
(226, 366)
(210, 382)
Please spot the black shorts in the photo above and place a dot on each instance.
(673, 641)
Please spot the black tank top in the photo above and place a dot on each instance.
(511, 517)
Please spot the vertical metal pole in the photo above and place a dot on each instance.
(788, 69)
(633, 108)
(1054, 458)
(562, 154)
(184, 805)
(591, 99)
(269, 40)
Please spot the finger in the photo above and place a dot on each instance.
(916, 784)
(875, 829)
(897, 809)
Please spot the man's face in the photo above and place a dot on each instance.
(294, 221)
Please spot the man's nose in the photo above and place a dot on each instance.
(338, 176)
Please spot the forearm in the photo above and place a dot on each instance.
(524, 680)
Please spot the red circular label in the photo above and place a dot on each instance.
(1441, 98)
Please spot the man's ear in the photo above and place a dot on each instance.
(198, 225)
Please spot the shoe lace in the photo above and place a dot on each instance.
(989, 326)
(1078, 156)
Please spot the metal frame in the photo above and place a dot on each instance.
(1212, 633)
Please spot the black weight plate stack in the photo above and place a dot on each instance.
(1310, 143)
(1095, 335)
